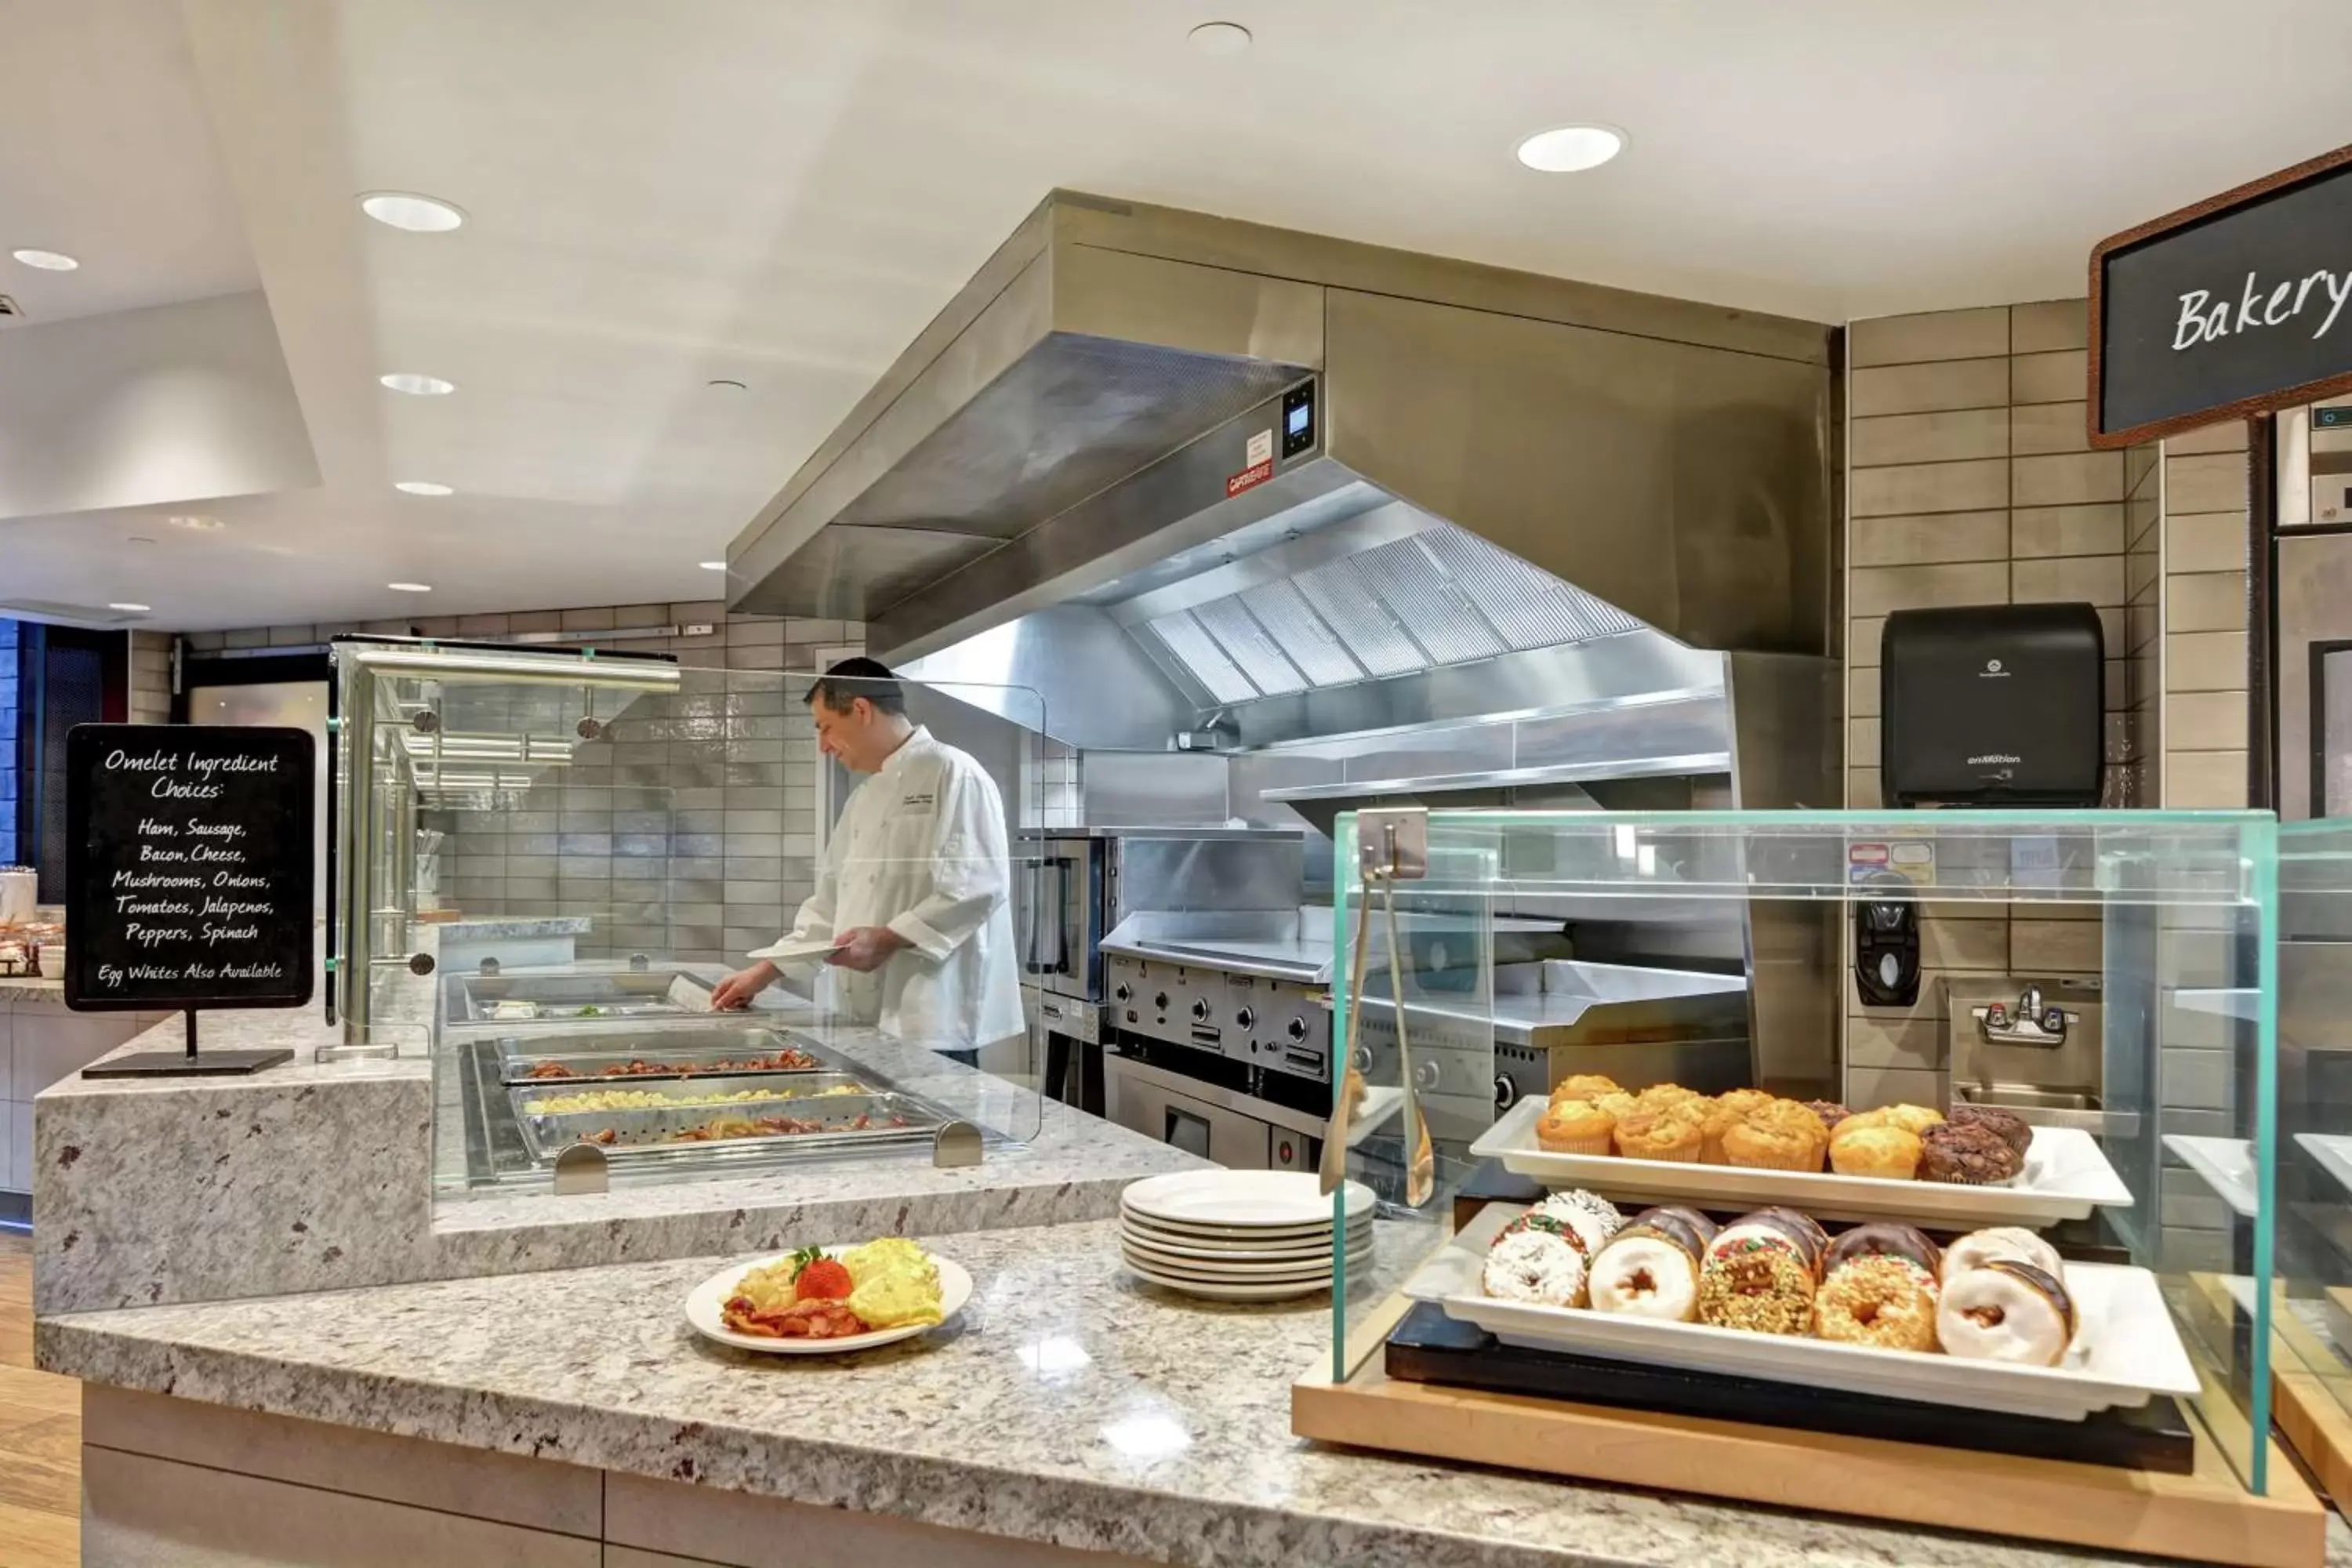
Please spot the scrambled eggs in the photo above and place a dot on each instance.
(642, 1100)
(897, 1283)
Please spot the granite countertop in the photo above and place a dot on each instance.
(1068, 1404)
(26, 988)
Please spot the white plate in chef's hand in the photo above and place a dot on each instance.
(705, 1307)
(794, 951)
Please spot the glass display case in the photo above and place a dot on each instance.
(2143, 943)
(2312, 1182)
(547, 863)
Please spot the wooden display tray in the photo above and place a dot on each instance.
(2205, 1516)
(2308, 1405)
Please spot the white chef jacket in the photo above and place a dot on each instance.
(920, 848)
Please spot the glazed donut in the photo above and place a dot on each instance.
(1878, 1299)
(1979, 1248)
(1537, 1266)
(1686, 1227)
(2007, 1311)
(1648, 1271)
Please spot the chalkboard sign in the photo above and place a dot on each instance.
(2234, 307)
(188, 867)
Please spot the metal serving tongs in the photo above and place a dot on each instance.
(1392, 846)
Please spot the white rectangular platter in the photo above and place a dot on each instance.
(2126, 1352)
(2065, 1177)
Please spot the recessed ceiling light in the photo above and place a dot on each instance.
(712, 565)
(196, 524)
(406, 209)
(418, 385)
(47, 260)
(422, 488)
(1220, 37)
(129, 609)
(410, 587)
(1571, 149)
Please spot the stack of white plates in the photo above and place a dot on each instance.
(1239, 1235)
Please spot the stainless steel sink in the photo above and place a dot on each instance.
(2048, 1107)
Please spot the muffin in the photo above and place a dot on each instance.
(1585, 1086)
(1913, 1119)
(1743, 1101)
(1973, 1156)
(1885, 1152)
(1722, 1119)
(1664, 1094)
(1659, 1135)
(2010, 1127)
(1791, 1115)
(1575, 1127)
(1830, 1112)
(1762, 1144)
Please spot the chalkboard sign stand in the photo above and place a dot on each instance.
(188, 881)
(187, 1063)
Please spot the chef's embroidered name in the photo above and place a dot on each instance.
(2204, 319)
(918, 802)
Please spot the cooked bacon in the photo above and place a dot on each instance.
(801, 1320)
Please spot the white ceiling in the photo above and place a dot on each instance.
(783, 191)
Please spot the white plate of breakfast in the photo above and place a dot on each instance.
(825, 1300)
(1995, 1319)
(1978, 1165)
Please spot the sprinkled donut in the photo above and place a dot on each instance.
(1878, 1299)
(1535, 1264)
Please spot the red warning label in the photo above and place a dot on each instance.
(1255, 474)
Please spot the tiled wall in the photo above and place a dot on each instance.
(2205, 536)
(151, 678)
(1971, 483)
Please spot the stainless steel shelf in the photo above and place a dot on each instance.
(1502, 778)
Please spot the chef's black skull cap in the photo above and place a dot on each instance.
(852, 678)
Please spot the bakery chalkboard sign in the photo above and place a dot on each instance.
(2237, 306)
(188, 867)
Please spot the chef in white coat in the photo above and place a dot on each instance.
(913, 894)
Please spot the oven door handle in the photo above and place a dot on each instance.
(1047, 915)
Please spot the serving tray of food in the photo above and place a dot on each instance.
(1996, 1321)
(691, 1050)
(860, 1121)
(1979, 1166)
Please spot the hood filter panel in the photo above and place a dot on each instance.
(1440, 596)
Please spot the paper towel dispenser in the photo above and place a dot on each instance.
(1992, 705)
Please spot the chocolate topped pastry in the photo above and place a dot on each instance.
(2008, 1311)
(1973, 1156)
(2010, 1127)
(1786, 1228)
(1686, 1228)
(1886, 1240)
(1829, 1111)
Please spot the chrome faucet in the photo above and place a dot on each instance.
(2032, 1024)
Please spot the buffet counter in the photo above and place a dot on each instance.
(1067, 1407)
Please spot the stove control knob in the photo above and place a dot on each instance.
(1201, 1010)
(1507, 1093)
(1160, 1002)
(1363, 1057)
(1425, 1075)
(1124, 992)
(1245, 1019)
(1297, 1029)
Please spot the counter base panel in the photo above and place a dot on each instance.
(2204, 1516)
(172, 1483)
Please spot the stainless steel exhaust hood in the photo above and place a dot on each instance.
(1285, 462)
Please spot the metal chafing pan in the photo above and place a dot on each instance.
(773, 1089)
(886, 1118)
(680, 1050)
(472, 999)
